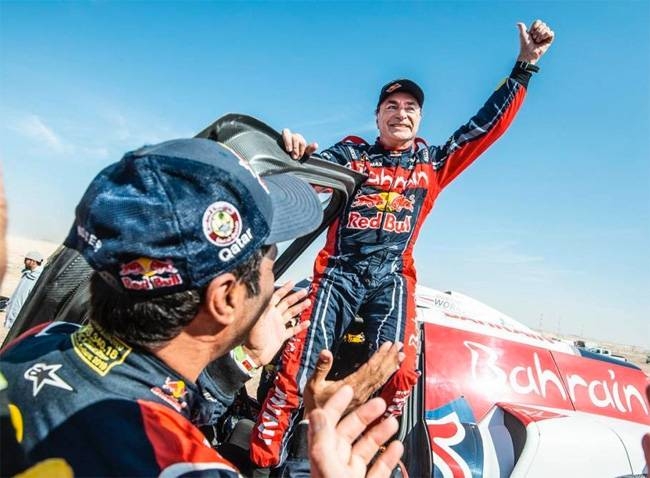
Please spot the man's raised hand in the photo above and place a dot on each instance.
(534, 42)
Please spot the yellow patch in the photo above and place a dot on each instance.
(99, 350)
(16, 421)
(52, 467)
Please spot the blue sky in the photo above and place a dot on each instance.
(551, 225)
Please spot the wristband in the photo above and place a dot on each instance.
(243, 360)
(529, 67)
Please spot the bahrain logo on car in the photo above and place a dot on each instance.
(484, 370)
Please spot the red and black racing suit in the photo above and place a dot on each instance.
(366, 267)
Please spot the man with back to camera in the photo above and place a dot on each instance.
(366, 267)
(181, 237)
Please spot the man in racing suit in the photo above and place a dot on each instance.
(366, 267)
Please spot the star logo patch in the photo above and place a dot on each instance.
(42, 374)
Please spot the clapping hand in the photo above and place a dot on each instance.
(276, 324)
(340, 448)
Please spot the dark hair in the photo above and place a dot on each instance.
(148, 322)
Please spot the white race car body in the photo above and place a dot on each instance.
(503, 400)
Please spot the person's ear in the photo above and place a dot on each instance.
(224, 298)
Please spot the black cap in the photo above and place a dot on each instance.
(404, 85)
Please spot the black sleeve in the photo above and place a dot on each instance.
(219, 383)
(522, 72)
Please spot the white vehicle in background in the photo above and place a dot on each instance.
(601, 351)
(607, 353)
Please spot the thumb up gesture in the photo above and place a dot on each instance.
(534, 42)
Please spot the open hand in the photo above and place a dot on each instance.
(365, 381)
(276, 325)
(534, 42)
(335, 448)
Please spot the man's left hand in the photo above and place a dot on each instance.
(534, 42)
(365, 381)
(275, 326)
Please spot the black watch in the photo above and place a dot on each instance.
(529, 67)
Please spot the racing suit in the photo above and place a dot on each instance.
(366, 266)
(110, 410)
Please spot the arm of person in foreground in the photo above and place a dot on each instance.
(365, 381)
(345, 446)
(3, 229)
(225, 376)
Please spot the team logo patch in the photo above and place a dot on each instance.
(222, 223)
(385, 201)
(393, 87)
(147, 274)
(42, 374)
(173, 392)
(99, 350)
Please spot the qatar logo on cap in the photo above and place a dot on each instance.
(222, 223)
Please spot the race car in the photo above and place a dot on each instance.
(495, 398)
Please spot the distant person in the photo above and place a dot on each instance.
(181, 237)
(30, 274)
(366, 267)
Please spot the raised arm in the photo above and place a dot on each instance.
(498, 112)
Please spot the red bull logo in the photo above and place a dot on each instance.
(175, 388)
(389, 202)
(382, 220)
(146, 274)
(173, 392)
(376, 201)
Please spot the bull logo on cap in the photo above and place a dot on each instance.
(145, 273)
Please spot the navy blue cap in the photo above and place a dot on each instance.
(407, 86)
(173, 216)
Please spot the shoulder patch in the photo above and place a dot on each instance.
(99, 350)
(420, 143)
